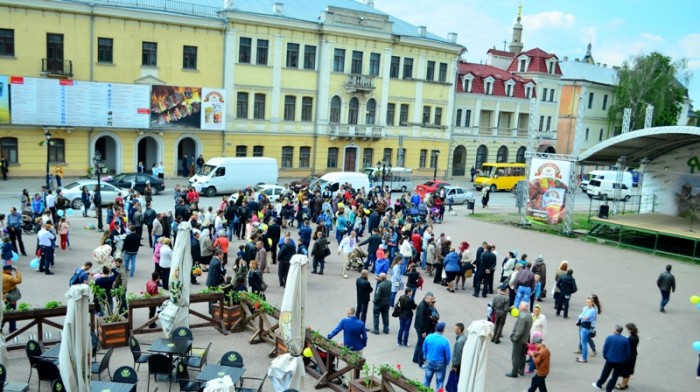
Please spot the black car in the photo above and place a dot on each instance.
(138, 182)
(298, 185)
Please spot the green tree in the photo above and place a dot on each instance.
(650, 79)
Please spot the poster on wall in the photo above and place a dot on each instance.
(213, 115)
(4, 100)
(176, 107)
(547, 187)
(61, 102)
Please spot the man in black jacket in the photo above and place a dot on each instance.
(196, 252)
(488, 267)
(567, 286)
(274, 232)
(285, 255)
(426, 319)
(666, 283)
(382, 303)
(364, 289)
(216, 271)
(148, 217)
(131, 245)
(373, 241)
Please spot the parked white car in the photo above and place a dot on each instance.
(273, 192)
(460, 195)
(73, 192)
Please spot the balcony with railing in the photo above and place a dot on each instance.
(355, 131)
(359, 83)
(56, 67)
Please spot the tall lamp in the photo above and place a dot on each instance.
(97, 161)
(383, 165)
(436, 154)
(47, 134)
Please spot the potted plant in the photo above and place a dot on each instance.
(392, 376)
(112, 326)
(231, 313)
(367, 383)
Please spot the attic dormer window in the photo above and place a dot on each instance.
(510, 88)
(550, 67)
(523, 65)
(488, 85)
(467, 83)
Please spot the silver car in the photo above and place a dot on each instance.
(460, 195)
(73, 192)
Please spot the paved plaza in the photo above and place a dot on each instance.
(625, 282)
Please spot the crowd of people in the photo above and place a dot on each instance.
(399, 245)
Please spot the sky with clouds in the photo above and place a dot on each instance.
(617, 29)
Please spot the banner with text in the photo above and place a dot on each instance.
(547, 187)
(4, 100)
(61, 102)
(213, 115)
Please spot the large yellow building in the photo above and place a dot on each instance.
(319, 85)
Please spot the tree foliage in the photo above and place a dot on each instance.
(650, 79)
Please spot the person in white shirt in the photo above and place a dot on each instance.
(166, 260)
(46, 239)
(161, 170)
(347, 245)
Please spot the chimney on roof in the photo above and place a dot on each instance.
(370, 3)
(598, 64)
(278, 8)
(229, 4)
(422, 30)
(605, 66)
(576, 60)
(452, 37)
(566, 58)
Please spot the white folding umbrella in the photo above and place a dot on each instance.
(289, 368)
(76, 345)
(176, 311)
(472, 373)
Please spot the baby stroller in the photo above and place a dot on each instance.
(29, 226)
(357, 259)
(435, 215)
(418, 214)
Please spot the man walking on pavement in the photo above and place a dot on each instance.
(519, 338)
(426, 319)
(382, 302)
(436, 349)
(666, 283)
(373, 241)
(364, 289)
(14, 228)
(616, 351)
(457, 349)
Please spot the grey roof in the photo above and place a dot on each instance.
(644, 143)
(310, 11)
(577, 70)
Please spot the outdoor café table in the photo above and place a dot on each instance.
(211, 372)
(109, 386)
(53, 352)
(171, 347)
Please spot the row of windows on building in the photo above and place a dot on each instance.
(294, 58)
(9, 150)
(591, 98)
(468, 85)
(482, 154)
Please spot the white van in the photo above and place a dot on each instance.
(228, 175)
(336, 179)
(603, 174)
(604, 186)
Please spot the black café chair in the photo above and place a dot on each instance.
(247, 389)
(183, 378)
(126, 375)
(47, 371)
(139, 356)
(3, 376)
(182, 333)
(232, 358)
(198, 361)
(99, 367)
(159, 364)
(33, 351)
(57, 386)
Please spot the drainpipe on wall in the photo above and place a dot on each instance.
(318, 86)
(223, 80)
(92, 78)
(223, 143)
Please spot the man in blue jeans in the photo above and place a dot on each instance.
(436, 349)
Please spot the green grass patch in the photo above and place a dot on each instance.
(580, 222)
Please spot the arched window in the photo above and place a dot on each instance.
(353, 111)
(458, 121)
(520, 155)
(371, 115)
(482, 154)
(8, 149)
(335, 110)
(502, 155)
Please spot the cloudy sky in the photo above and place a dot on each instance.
(617, 29)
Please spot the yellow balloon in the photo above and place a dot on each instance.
(308, 353)
(695, 299)
(514, 312)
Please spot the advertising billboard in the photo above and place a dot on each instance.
(547, 187)
(61, 102)
(176, 107)
(213, 115)
(4, 100)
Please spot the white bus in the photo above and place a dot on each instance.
(397, 178)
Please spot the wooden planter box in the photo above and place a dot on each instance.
(389, 380)
(360, 385)
(114, 334)
(232, 315)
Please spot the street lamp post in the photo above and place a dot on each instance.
(97, 197)
(383, 165)
(47, 134)
(436, 154)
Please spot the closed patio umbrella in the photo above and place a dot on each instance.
(289, 368)
(76, 345)
(472, 373)
(176, 310)
(3, 346)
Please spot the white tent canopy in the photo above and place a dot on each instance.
(472, 373)
(176, 310)
(76, 345)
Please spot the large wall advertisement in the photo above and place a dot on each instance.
(547, 187)
(73, 103)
